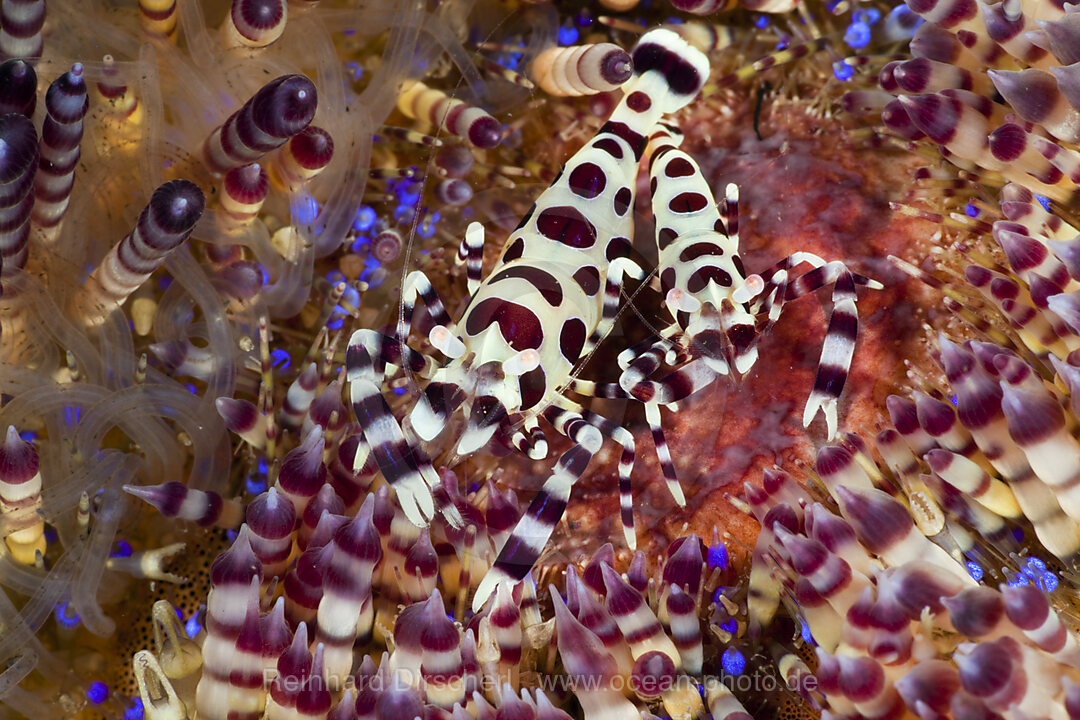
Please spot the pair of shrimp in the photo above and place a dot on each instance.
(555, 293)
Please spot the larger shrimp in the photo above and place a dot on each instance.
(552, 296)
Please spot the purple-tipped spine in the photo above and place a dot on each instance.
(163, 225)
(18, 164)
(279, 110)
(66, 103)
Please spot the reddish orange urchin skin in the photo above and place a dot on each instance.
(805, 186)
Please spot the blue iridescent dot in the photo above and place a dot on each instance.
(427, 227)
(1019, 581)
(305, 210)
(718, 556)
(404, 214)
(334, 277)
(97, 692)
(857, 35)
(1037, 564)
(729, 625)
(510, 61)
(193, 626)
(370, 266)
(974, 570)
(192, 389)
(733, 662)
(365, 219)
(585, 19)
(28, 435)
(717, 594)
(842, 71)
(401, 390)
(971, 210)
(135, 712)
(807, 636)
(355, 69)
(66, 616)
(231, 535)
(351, 296)
(263, 467)
(1018, 534)
(409, 192)
(280, 359)
(1049, 581)
(1044, 201)
(71, 414)
(568, 35)
(122, 549)
(761, 21)
(868, 16)
(256, 485)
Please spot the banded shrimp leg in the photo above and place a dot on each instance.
(413, 479)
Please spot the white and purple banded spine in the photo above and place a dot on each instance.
(163, 225)
(255, 23)
(582, 69)
(279, 110)
(244, 191)
(18, 162)
(20, 28)
(305, 155)
(468, 122)
(66, 104)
